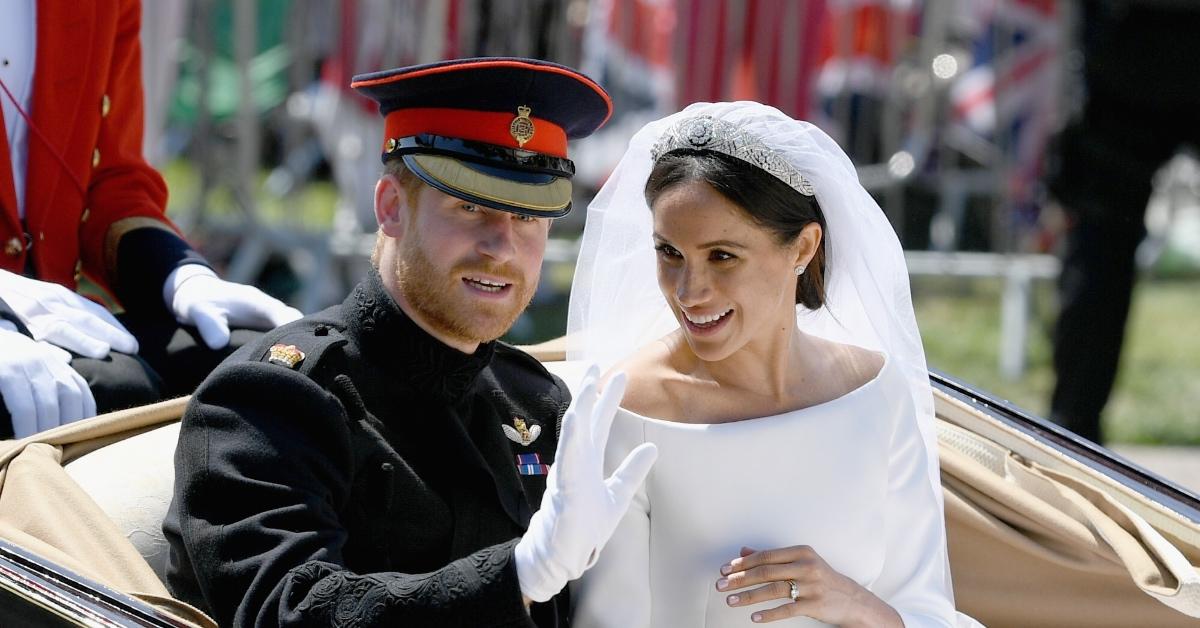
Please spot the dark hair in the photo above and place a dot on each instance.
(769, 202)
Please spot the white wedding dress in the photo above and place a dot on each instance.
(847, 477)
(855, 478)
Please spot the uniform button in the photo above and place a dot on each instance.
(42, 236)
(13, 247)
(95, 157)
(87, 211)
(78, 270)
(105, 106)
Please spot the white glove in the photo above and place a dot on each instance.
(61, 317)
(196, 296)
(580, 508)
(39, 387)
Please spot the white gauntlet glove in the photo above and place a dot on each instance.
(196, 296)
(61, 317)
(580, 508)
(38, 385)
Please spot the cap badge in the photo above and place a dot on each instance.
(390, 145)
(521, 434)
(521, 127)
(286, 355)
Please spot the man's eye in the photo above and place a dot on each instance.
(525, 218)
(469, 207)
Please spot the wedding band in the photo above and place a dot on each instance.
(793, 590)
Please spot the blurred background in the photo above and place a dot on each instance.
(950, 109)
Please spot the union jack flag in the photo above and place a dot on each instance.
(1008, 94)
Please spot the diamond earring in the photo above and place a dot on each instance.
(800, 270)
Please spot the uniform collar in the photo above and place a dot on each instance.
(393, 340)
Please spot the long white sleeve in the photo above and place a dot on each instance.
(914, 578)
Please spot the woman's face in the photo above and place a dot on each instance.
(728, 280)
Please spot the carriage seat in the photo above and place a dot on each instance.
(132, 481)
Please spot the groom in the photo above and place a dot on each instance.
(384, 462)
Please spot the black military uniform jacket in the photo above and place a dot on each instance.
(370, 484)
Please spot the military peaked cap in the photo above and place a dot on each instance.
(490, 130)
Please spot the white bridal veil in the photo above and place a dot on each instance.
(616, 305)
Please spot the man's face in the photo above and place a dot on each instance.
(465, 270)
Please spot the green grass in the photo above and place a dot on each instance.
(310, 208)
(1157, 395)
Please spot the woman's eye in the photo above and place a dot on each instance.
(721, 256)
(667, 250)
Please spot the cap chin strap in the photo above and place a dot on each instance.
(480, 153)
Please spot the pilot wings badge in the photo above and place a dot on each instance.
(521, 434)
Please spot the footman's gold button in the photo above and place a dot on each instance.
(95, 157)
(13, 247)
(105, 106)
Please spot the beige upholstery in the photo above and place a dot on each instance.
(131, 481)
(1036, 538)
(44, 510)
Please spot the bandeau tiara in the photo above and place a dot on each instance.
(708, 133)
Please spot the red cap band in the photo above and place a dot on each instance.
(489, 127)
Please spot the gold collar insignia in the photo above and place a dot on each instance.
(286, 355)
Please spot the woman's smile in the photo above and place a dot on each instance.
(706, 324)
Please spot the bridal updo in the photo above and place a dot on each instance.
(768, 201)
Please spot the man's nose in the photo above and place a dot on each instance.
(498, 240)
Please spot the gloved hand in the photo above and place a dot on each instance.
(61, 317)
(580, 508)
(196, 296)
(39, 387)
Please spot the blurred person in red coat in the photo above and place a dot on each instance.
(77, 198)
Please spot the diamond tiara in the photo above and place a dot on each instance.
(709, 133)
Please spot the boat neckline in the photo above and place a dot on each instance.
(887, 360)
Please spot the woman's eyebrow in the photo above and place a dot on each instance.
(722, 243)
(707, 245)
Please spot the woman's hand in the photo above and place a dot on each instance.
(820, 592)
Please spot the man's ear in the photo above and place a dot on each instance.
(391, 206)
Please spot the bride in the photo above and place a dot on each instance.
(776, 364)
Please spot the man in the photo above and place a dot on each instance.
(379, 463)
(1143, 91)
(77, 198)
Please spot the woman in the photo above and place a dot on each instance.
(789, 399)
